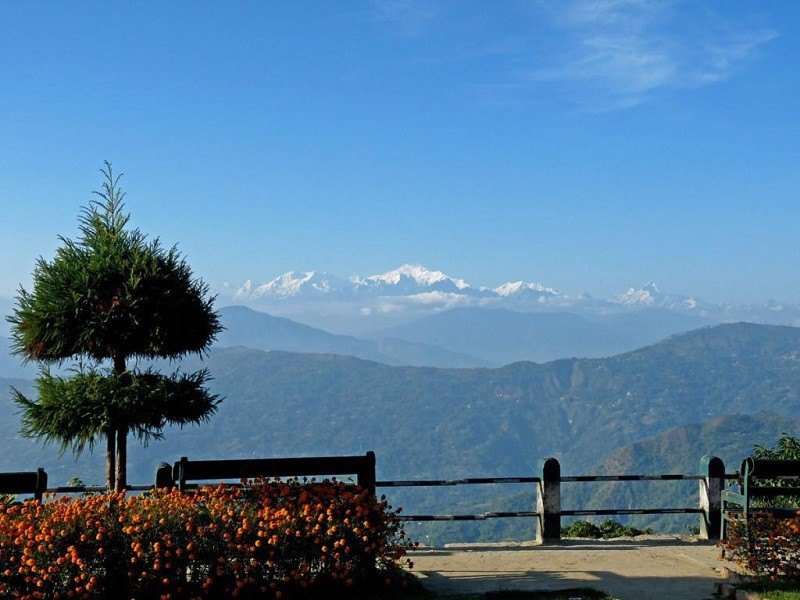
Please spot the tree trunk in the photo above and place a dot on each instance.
(122, 457)
(121, 429)
(111, 450)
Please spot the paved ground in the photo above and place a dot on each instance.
(649, 567)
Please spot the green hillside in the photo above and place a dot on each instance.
(731, 437)
(427, 422)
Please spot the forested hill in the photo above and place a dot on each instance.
(678, 450)
(425, 421)
(428, 422)
(449, 422)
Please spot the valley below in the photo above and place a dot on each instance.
(658, 409)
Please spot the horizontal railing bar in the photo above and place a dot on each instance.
(449, 482)
(733, 497)
(478, 517)
(771, 492)
(583, 478)
(76, 489)
(567, 478)
(90, 489)
(631, 511)
(270, 467)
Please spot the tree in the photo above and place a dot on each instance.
(108, 299)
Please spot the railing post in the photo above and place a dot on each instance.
(164, 478)
(548, 501)
(41, 484)
(179, 473)
(711, 487)
(366, 476)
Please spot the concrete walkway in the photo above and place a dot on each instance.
(649, 567)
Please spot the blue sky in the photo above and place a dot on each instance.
(587, 145)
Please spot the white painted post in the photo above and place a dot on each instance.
(711, 487)
(548, 501)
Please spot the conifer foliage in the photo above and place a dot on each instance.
(106, 300)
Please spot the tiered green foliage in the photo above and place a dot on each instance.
(108, 298)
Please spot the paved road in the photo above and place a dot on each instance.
(646, 568)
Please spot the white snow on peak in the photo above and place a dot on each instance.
(421, 276)
(648, 295)
(294, 283)
(245, 290)
(517, 288)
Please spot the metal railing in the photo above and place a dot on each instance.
(547, 511)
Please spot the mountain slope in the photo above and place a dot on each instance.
(427, 422)
(444, 422)
(261, 331)
(503, 336)
(678, 450)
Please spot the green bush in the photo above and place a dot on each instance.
(608, 529)
(581, 529)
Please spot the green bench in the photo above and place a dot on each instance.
(31, 482)
(185, 471)
(738, 506)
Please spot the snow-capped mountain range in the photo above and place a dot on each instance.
(406, 280)
(411, 289)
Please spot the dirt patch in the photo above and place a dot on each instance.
(652, 567)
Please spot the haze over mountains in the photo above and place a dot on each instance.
(436, 376)
(429, 422)
(365, 304)
(420, 317)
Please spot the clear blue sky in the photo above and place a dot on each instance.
(587, 145)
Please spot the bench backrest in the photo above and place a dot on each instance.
(767, 468)
(363, 466)
(754, 487)
(32, 482)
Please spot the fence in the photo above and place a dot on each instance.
(547, 513)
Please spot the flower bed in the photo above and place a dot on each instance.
(766, 545)
(273, 539)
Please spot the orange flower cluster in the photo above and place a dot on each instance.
(767, 545)
(268, 539)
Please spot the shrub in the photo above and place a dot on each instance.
(766, 545)
(612, 529)
(608, 529)
(581, 529)
(273, 539)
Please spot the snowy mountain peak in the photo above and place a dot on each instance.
(517, 288)
(245, 290)
(420, 275)
(410, 278)
(293, 283)
(651, 288)
(648, 295)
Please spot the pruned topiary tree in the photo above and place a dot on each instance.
(108, 298)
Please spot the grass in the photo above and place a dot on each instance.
(773, 590)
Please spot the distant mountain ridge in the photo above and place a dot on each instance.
(427, 423)
(414, 289)
(261, 331)
(502, 336)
